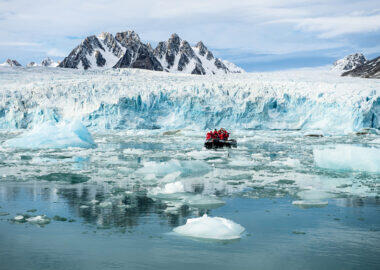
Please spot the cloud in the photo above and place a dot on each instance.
(19, 44)
(55, 52)
(269, 27)
(329, 27)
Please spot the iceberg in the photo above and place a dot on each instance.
(50, 135)
(210, 228)
(348, 158)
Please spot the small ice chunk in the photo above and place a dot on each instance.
(348, 157)
(310, 203)
(169, 188)
(50, 135)
(84, 206)
(210, 228)
(105, 204)
(94, 201)
(40, 220)
(18, 218)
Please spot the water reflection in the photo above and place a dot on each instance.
(102, 206)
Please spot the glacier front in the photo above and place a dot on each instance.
(138, 99)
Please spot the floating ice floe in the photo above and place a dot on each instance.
(348, 157)
(40, 220)
(169, 188)
(162, 169)
(18, 218)
(50, 135)
(310, 203)
(210, 228)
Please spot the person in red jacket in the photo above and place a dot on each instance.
(209, 135)
(215, 134)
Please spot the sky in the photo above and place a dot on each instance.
(256, 35)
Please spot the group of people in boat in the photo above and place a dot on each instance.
(220, 134)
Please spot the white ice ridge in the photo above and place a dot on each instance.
(348, 157)
(49, 135)
(139, 99)
(210, 228)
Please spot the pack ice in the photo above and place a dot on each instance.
(138, 99)
(348, 157)
(210, 228)
(49, 135)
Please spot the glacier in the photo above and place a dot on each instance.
(119, 99)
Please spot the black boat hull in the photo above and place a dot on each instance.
(215, 143)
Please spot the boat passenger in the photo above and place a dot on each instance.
(215, 134)
(209, 135)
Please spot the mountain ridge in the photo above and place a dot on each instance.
(126, 50)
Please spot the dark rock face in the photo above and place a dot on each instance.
(13, 63)
(202, 48)
(370, 69)
(219, 64)
(199, 70)
(79, 54)
(111, 43)
(100, 61)
(46, 62)
(146, 60)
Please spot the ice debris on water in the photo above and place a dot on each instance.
(348, 158)
(169, 188)
(48, 135)
(310, 203)
(210, 228)
(40, 220)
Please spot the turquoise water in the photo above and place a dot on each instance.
(114, 211)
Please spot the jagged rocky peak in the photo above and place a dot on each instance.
(126, 50)
(202, 49)
(11, 63)
(349, 62)
(110, 42)
(127, 38)
(370, 69)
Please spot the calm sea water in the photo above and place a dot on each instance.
(111, 207)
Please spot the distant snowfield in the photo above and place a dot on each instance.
(307, 99)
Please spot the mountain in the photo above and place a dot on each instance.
(349, 62)
(32, 64)
(126, 50)
(49, 63)
(11, 63)
(370, 69)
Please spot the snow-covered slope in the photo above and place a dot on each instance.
(132, 98)
(349, 62)
(126, 50)
(232, 67)
(10, 63)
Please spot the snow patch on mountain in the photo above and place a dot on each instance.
(349, 62)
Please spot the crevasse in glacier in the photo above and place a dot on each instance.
(138, 99)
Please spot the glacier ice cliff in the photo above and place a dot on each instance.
(138, 99)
